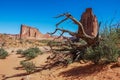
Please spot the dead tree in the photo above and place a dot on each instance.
(88, 28)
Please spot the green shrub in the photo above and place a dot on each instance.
(107, 51)
(104, 54)
(37, 50)
(3, 53)
(32, 53)
(92, 55)
(28, 66)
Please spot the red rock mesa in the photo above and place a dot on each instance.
(28, 32)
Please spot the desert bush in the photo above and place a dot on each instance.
(54, 43)
(3, 53)
(107, 51)
(49, 42)
(32, 53)
(104, 54)
(44, 41)
(28, 66)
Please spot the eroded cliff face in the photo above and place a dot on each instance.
(90, 23)
(28, 32)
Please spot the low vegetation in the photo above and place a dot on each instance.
(3, 53)
(28, 66)
(30, 53)
(44, 41)
(106, 51)
(50, 43)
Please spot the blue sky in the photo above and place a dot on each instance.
(40, 13)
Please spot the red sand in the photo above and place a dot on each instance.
(75, 71)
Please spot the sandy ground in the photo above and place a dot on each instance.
(10, 70)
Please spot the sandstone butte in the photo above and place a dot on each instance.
(27, 32)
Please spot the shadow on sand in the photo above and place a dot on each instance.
(82, 71)
(39, 69)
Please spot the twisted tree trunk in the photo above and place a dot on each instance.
(88, 30)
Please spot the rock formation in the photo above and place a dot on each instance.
(88, 28)
(28, 32)
(90, 23)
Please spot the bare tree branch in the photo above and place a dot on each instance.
(69, 16)
(67, 31)
(61, 15)
(80, 25)
(89, 39)
(61, 35)
(64, 31)
(53, 32)
(61, 21)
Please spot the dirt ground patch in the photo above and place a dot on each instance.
(10, 69)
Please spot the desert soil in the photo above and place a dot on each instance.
(10, 69)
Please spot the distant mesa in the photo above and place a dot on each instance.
(28, 32)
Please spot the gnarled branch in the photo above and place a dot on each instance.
(69, 16)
